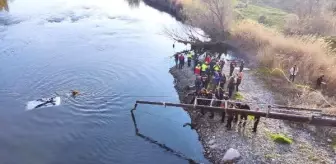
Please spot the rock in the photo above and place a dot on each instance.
(211, 142)
(231, 155)
(213, 146)
(329, 140)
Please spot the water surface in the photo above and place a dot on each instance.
(113, 54)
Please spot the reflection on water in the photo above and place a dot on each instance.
(4, 5)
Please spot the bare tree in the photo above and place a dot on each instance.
(311, 17)
(213, 16)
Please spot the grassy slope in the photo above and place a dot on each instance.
(274, 17)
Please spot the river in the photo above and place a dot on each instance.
(113, 53)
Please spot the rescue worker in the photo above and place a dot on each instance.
(256, 122)
(176, 59)
(239, 79)
(241, 67)
(293, 71)
(198, 84)
(217, 67)
(222, 81)
(197, 70)
(181, 58)
(319, 82)
(204, 68)
(232, 67)
(231, 86)
(243, 117)
(189, 57)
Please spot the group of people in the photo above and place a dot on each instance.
(294, 71)
(180, 60)
(210, 85)
(210, 76)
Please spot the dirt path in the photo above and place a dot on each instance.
(259, 147)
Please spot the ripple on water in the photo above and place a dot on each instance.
(95, 86)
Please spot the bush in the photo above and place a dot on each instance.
(311, 54)
(282, 139)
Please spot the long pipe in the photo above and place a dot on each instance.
(281, 116)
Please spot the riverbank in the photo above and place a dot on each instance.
(254, 148)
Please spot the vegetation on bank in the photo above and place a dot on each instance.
(302, 38)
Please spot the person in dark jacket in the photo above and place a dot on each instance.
(232, 67)
(256, 122)
(221, 63)
(210, 97)
(319, 82)
(225, 97)
(198, 84)
(205, 81)
(241, 67)
(243, 117)
(215, 80)
(231, 86)
(235, 115)
(181, 58)
(230, 118)
(222, 81)
(176, 59)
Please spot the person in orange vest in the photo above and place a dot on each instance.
(239, 79)
(198, 70)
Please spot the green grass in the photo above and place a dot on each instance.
(238, 96)
(280, 138)
(274, 17)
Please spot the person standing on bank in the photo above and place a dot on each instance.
(232, 67)
(189, 58)
(197, 70)
(231, 86)
(293, 71)
(256, 122)
(319, 82)
(176, 59)
(198, 84)
(241, 67)
(204, 68)
(222, 81)
(181, 58)
(239, 79)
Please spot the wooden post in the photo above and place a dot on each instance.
(280, 116)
